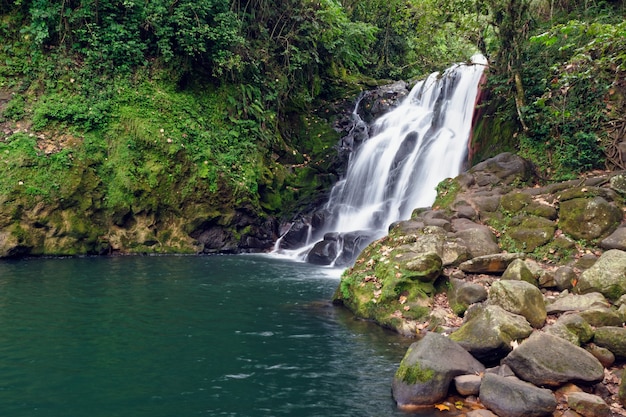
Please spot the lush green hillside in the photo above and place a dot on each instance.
(195, 125)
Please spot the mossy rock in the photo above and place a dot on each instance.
(531, 232)
(589, 218)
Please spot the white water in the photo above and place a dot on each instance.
(414, 147)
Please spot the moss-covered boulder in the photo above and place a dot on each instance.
(607, 276)
(571, 327)
(520, 297)
(530, 232)
(519, 271)
(589, 218)
(488, 331)
(425, 373)
(613, 339)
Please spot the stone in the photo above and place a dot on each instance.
(571, 327)
(564, 278)
(574, 302)
(588, 405)
(480, 413)
(605, 356)
(324, 252)
(616, 240)
(618, 182)
(454, 252)
(519, 271)
(613, 339)
(425, 374)
(520, 297)
(510, 397)
(589, 218)
(488, 331)
(547, 360)
(462, 294)
(504, 168)
(467, 384)
(607, 276)
(602, 316)
(489, 264)
(531, 232)
(477, 238)
(424, 267)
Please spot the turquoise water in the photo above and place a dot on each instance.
(186, 336)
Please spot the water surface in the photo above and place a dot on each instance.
(185, 336)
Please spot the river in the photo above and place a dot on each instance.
(173, 336)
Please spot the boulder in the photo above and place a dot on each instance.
(602, 316)
(504, 168)
(607, 276)
(477, 238)
(324, 252)
(571, 327)
(589, 218)
(467, 384)
(519, 271)
(605, 356)
(510, 397)
(462, 294)
(424, 374)
(547, 360)
(530, 232)
(488, 332)
(613, 339)
(616, 240)
(519, 297)
(490, 264)
(424, 267)
(574, 302)
(564, 278)
(588, 405)
(618, 182)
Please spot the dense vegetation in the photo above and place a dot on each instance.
(113, 108)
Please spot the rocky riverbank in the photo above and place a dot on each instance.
(514, 290)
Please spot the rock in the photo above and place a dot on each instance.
(489, 264)
(613, 339)
(589, 218)
(463, 294)
(480, 413)
(424, 267)
(621, 395)
(607, 276)
(602, 316)
(605, 356)
(616, 240)
(454, 252)
(477, 238)
(571, 327)
(618, 182)
(504, 168)
(467, 384)
(519, 271)
(530, 232)
(588, 405)
(574, 302)
(324, 252)
(510, 397)
(352, 243)
(296, 235)
(488, 331)
(564, 278)
(424, 374)
(520, 297)
(547, 360)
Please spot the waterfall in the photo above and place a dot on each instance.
(412, 149)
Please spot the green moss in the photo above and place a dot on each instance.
(447, 191)
(414, 374)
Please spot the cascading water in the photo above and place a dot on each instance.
(414, 147)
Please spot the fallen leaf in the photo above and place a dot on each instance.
(442, 407)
